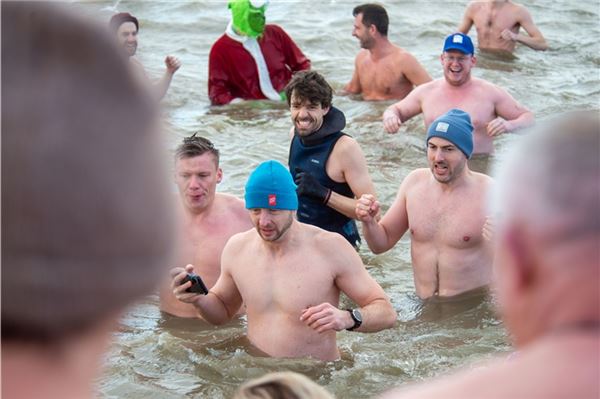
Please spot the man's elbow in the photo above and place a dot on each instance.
(390, 316)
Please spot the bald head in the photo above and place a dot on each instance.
(85, 222)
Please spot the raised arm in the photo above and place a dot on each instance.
(353, 279)
(534, 38)
(222, 301)
(172, 64)
(403, 110)
(384, 234)
(511, 115)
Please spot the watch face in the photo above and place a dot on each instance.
(356, 315)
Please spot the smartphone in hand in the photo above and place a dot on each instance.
(198, 286)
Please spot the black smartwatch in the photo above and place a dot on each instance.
(357, 317)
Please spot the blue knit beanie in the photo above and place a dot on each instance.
(454, 126)
(271, 186)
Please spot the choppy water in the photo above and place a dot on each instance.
(161, 357)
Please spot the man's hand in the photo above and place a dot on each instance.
(367, 208)
(488, 228)
(179, 290)
(326, 317)
(309, 186)
(172, 63)
(391, 120)
(507, 34)
(498, 126)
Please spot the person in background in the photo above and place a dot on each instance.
(252, 60)
(382, 71)
(86, 222)
(292, 304)
(208, 219)
(281, 385)
(547, 274)
(126, 27)
(498, 24)
(492, 109)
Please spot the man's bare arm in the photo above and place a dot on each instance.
(353, 279)
(467, 21)
(534, 38)
(414, 71)
(162, 85)
(396, 114)
(350, 158)
(353, 87)
(512, 116)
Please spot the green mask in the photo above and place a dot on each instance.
(248, 19)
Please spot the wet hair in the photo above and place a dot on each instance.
(373, 14)
(119, 19)
(86, 211)
(282, 385)
(550, 178)
(311, 86)
(194, 146)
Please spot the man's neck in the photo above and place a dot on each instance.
(381, 49)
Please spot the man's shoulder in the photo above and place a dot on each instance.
(416, 178)
(324, 241)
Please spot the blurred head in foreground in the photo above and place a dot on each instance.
(85, 222)
(547, 269)
(282, 385)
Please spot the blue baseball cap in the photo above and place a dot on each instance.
(271, 186)
(454, 126)
(459, 41)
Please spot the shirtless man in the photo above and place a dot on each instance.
(498, 23)
(208, 219)
(289, 275)
(493, 111)
(126, 28)
(444, 209)
(546, 271)
(382, 71)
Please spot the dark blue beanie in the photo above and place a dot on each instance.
(271, 186)
(454, 126)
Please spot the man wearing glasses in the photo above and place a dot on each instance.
(492, 109)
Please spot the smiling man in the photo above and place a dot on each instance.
(493, 111)
(207, 218)
(126, 27)
(290, 276)
(382, 70)
(328, 166)
(443, 207)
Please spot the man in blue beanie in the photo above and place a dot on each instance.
(443, 206)
(493, 110)
(289, 275)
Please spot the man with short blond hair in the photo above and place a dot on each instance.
(207, 218)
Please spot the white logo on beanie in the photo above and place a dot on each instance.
(457, 39)
(442, 127)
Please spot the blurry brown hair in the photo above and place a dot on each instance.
(194, 146)
(85, 198)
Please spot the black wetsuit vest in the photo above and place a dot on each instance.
(312, 157)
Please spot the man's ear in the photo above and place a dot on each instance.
(326, 109)
(372, 29)
(219, 175)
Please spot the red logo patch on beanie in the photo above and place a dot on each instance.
(272, 200)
